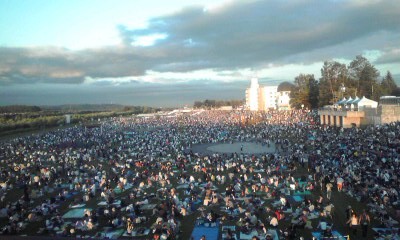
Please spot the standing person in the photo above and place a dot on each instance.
(354, 222)
(339, 182)
(364, 222)
(129, 226)
(325, 181)
(329, 187)
(349, 212)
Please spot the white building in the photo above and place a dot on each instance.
(252, 95)
(283, 100)
(270, 94)
(265, 98)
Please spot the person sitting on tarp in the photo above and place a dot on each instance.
(323, 224)
(129, 226)
(273, 221)
(230, 235)
(246, 228)
(300, 222)
(212, 216)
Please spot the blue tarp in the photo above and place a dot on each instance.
(335, 234)
(208, 232)
(76, 213)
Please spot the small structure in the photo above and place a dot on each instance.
(67, 118)
(350, 112)
(361, 112)
(389, 109)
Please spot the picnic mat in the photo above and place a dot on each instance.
(302, 193)
(70, 195)
(104, 203)
(75, 213)
(137, 232)
(183, 186)
(77, 205)
(385, 231)
(335, 234)
(274, 234)
(302, 184)
(208, 232)
(295, 198)
(225, 230)
(111, 234)
(148, 206)
(244, 236)
(117, 190)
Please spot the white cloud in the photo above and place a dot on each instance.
(149, 40)
(230, 42)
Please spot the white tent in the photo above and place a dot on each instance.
(365, 102)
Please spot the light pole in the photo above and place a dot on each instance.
(342, 90)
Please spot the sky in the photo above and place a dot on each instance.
(172, 53)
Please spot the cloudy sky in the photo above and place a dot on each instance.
(171, 53)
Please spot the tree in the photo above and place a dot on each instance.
(198, 104)
(396, 92)
(19, 109)
(365, 76)
(333, 76)
(388, 84)
(285, 86)
(304, 91)
(313, 96)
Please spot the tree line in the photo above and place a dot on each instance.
(19, 109)
(358, 78)
(23, 118)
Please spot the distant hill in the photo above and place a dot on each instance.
(19, 109)
(85, 108)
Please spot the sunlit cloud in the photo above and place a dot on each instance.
(149, 40)
(215, 43)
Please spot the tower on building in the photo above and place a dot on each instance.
(262, 98)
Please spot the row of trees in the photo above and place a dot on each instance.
(359, 78)
(32, 120)
(19, 109)
(217, 103)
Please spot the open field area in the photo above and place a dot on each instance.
(184, 176)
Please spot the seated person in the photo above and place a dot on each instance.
(229, 235)
(273, 222)
(323, 225)
(328, 210)
(300, 222)
(79, 224)
(246, 228)
(129, 226)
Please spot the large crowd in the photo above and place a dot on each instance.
(142, 171)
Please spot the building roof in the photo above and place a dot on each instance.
(342, 101)
(356, 99)
(349, 101)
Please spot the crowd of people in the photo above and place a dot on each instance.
(134, 173)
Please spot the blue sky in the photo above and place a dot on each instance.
(171, 53)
